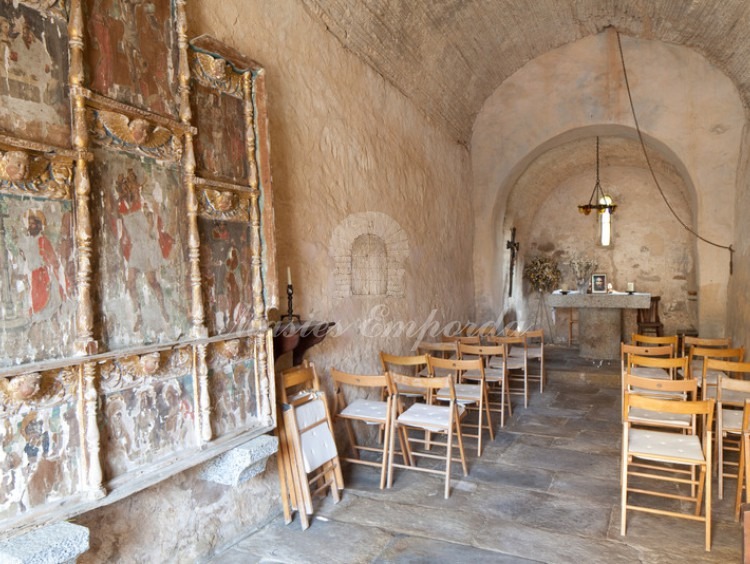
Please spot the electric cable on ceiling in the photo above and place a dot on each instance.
(651, 169)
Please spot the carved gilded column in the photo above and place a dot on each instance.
(197, 312)
(260, 321)
(259, 306)
(85, 341)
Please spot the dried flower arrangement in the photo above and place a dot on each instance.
(543, 273)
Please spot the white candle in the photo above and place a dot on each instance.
(288, 276)
(631, 287)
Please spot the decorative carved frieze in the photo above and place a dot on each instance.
(133, 134)
(223, 205)
(217, 73)
(36, 390)
(28, 173)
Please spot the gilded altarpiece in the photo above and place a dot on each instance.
(136, 253)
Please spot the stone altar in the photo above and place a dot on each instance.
(600, 319)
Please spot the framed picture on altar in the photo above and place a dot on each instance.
(598, 283)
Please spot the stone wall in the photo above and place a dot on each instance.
(344, 144)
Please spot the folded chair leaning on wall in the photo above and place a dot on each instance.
(669, 459)
(308, 454)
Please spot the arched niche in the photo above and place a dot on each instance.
(363, 243)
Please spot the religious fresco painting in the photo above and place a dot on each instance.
(225, 261)
(143, 276)
(133, 327)
(220, 150)
(33, 73)
(37, 276)
(39, 433)
(232, 383)
(132, 55)
(149, 412)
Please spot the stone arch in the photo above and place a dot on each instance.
(576, 87)
(389, 246)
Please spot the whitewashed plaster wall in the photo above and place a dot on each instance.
(739, 297)
(689, 109)
(343, 142)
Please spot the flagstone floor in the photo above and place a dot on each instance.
(545, 490)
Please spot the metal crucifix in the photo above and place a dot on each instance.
(513, 245)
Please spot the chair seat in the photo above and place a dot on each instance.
(493, 375)
(534, 351)
(665, 394)
(731, 420)
(430, 417)
(712, 376)
(649, 372)
(647, 417)
(372, 411)
(658, 445)
(464, 393)
(511, 362)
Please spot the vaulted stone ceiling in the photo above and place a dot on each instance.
(448, 56)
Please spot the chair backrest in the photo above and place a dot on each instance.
(375, 381)
(473, 339)
(701, 354)
(735, 369)
(297, 380)
(509, 342)
(532, 336)
(442, 349)
(453, 367)
(405, 363)
(650, 314)
(695, 408)
(689, 342)
(429, 385)
(671, 365)
(673, 390)
(485, 352)
(664, 351)
(637, 339)
(733, 391)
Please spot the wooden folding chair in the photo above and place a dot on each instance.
(365, 410)
(495, 376)
(743, 473)
(466, 394)
(444, 419)
(668, 458)
(732, 391)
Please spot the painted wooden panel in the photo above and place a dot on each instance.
(225, 268)
(143, 242)
(132, 53)
(37, 279)
(41, 447)
(148, 408)
(33, 74)
(233, 389)
(220, 150)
